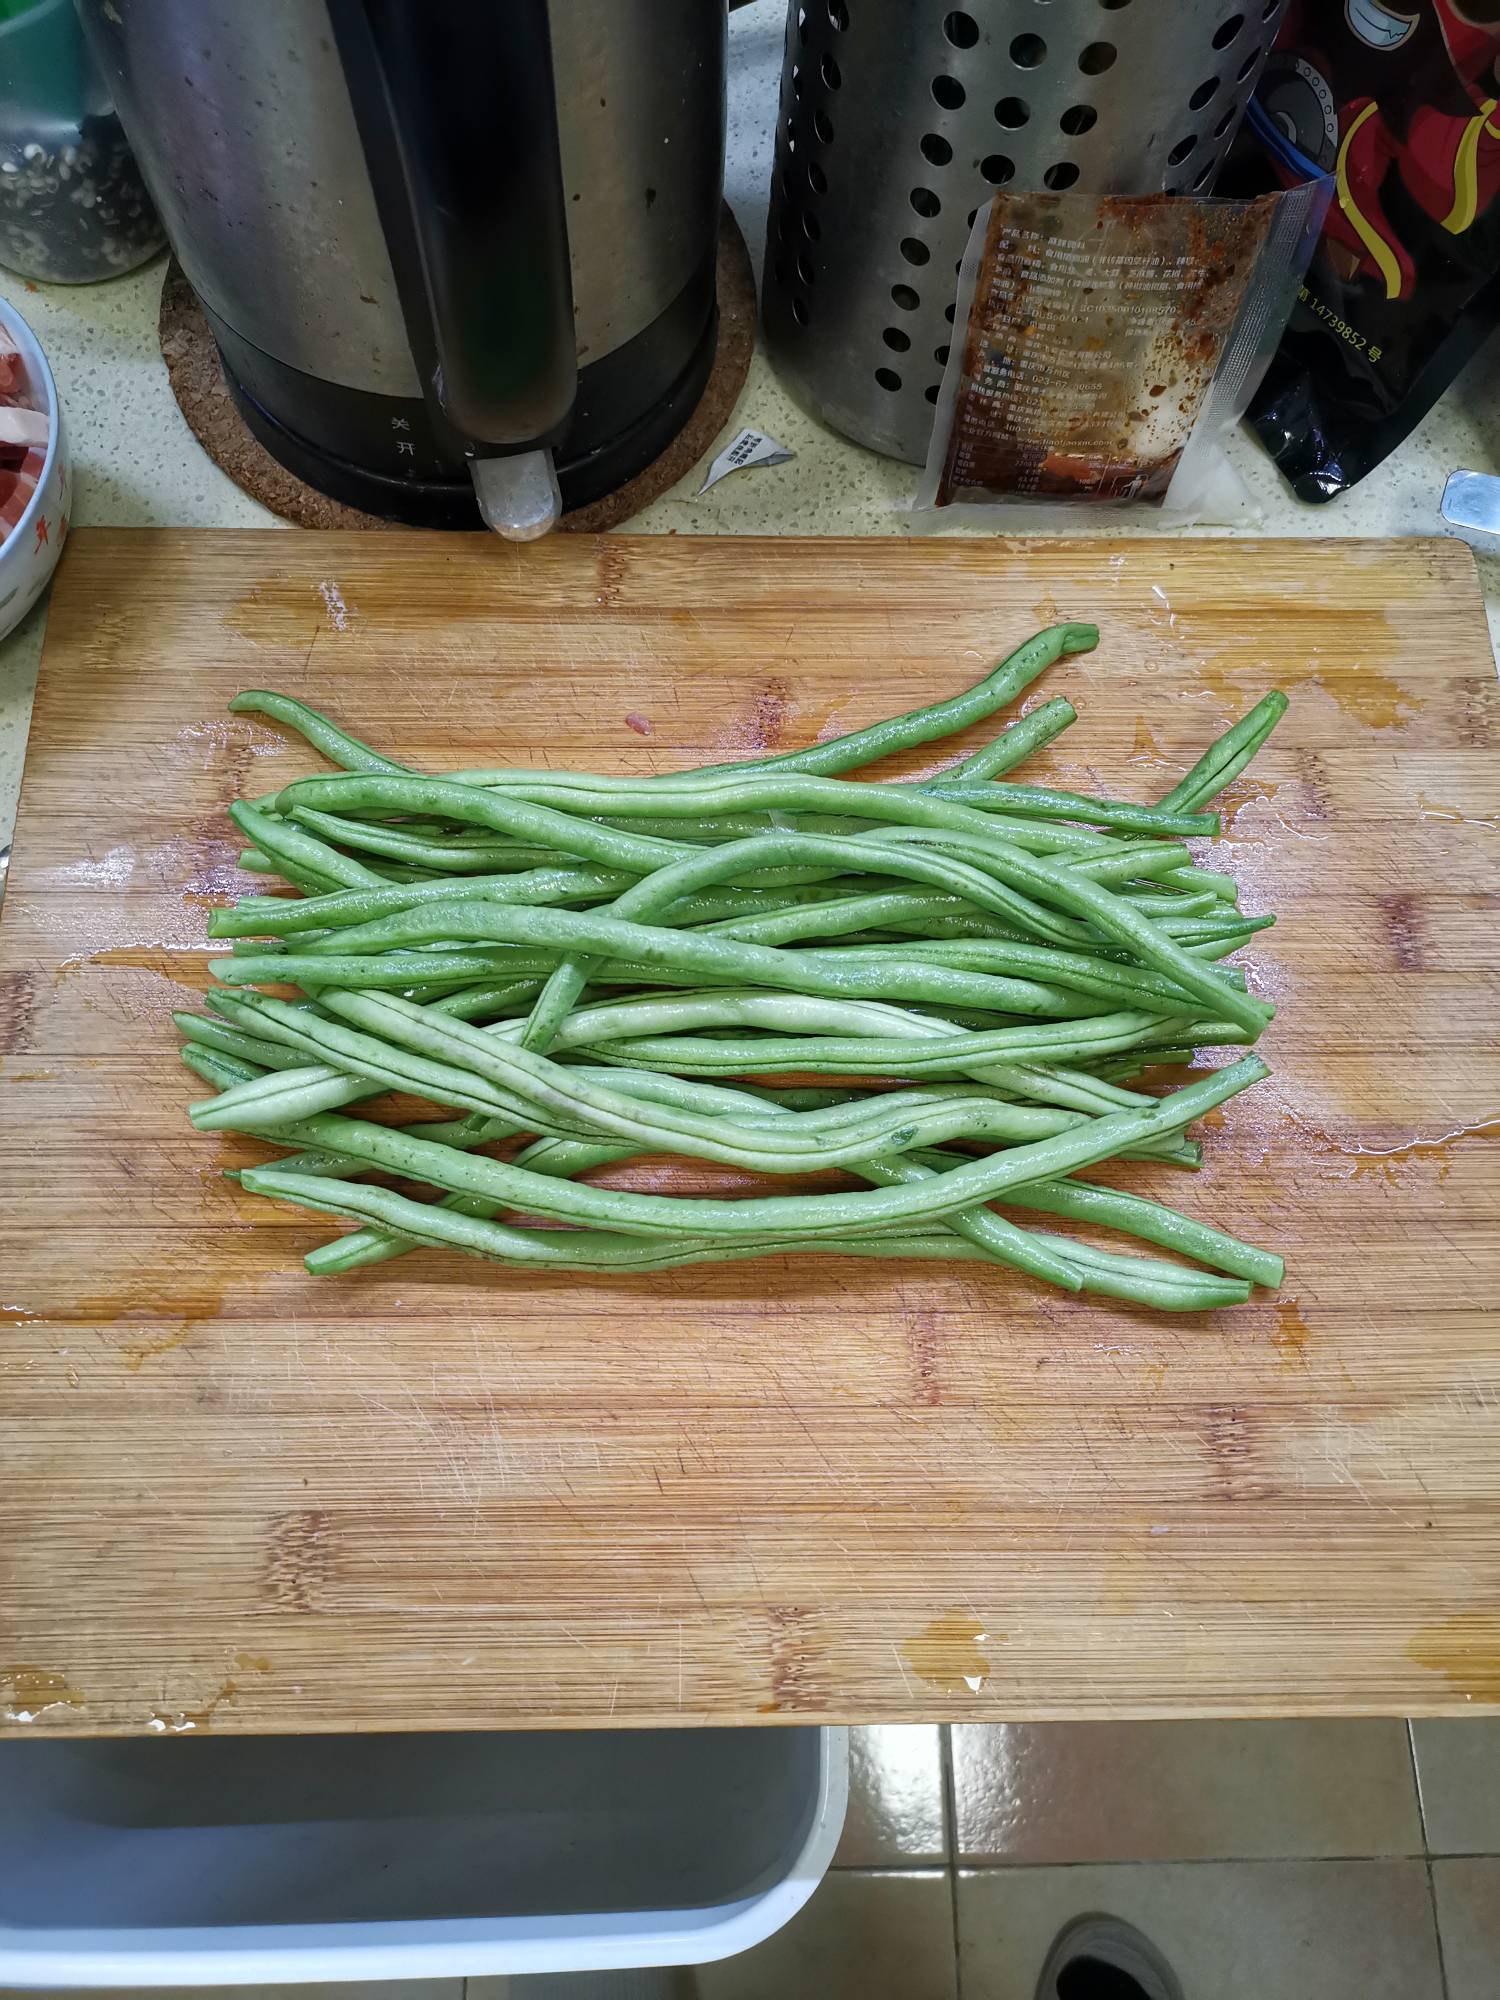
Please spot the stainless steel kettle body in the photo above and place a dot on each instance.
(443, 249)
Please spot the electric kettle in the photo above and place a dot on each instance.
(451, 253)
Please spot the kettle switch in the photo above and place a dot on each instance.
(518, 496)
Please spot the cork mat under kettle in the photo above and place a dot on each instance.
(197, 379)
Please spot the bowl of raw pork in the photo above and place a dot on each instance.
(35, 476)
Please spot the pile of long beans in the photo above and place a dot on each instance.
(596, 969)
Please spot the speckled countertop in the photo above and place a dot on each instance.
(136, 462)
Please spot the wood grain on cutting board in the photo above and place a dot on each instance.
(437, 1494)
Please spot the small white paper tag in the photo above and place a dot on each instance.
(749, 448)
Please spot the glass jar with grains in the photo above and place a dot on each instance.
(73, 206)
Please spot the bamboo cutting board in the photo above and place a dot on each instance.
(439, 1495)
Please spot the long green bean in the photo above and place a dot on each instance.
(1015, 744)
(325, 736)
(313, 857)
(806, 1217)
(1151, 1282)
(569, 1249)
(1002, 684)
(1223, 761)
(955, 1055)
(1085, 1201)
(625, 799)
(281, 916)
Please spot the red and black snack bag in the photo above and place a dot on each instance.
(1400, 101)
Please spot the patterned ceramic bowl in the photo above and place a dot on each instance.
(29, 552)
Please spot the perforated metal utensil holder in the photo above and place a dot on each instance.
(899, 116)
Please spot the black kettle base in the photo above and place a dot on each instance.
(389, 455)
(450, 503)
(413, 503)
(324, 456)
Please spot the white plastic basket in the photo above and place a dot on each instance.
(243, 1860)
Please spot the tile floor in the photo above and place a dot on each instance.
(1269, 1860)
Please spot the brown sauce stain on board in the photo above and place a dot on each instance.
(161, 1323)
(1451, 816)
(1241, 797)
(33, 1690)
(144, 957)
(1292, 1333)
(178, 1721)
(137, 1353)
(1466, 1651)
(1385, 1162)
(1229, 689)
(1146, 749)
(1364, 694)
(156, 979)
(1370, 697)
(946, 1655)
